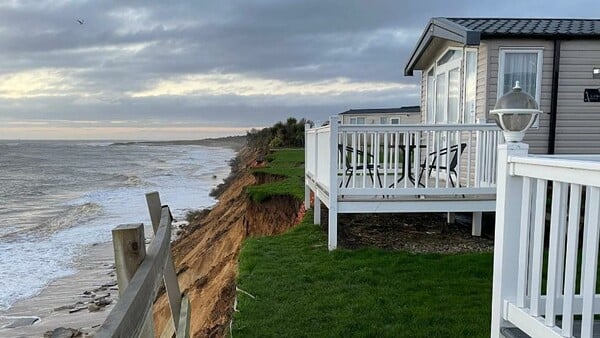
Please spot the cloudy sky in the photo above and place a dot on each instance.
(194, 69)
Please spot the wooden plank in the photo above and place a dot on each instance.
(154, 206)
(170, 276)
(183, 330)
(127, 317)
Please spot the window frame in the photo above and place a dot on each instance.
(540, 64)
(463, 111)
(462, 83)
(538, 79)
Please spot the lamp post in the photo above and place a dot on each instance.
(515, 112)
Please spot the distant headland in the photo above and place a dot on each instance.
(234, 142)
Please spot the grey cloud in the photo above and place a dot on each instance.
(304, 40)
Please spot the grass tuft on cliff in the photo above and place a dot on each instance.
(303, 290)
(288, 166)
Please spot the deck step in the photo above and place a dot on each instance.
(513, 332)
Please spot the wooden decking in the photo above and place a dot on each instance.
(513, 332)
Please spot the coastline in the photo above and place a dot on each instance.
(94, 276)
(94, 269)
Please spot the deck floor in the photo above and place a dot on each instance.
(514, 332)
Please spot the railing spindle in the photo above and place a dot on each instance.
(538, 248)
(525, 230)
(571, 260)
(553, 284)
(590, 264)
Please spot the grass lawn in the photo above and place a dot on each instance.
(303, 290)
(287, 163)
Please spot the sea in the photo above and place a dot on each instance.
(58, 198)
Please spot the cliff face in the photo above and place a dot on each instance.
(206, 258)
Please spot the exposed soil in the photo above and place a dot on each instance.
(417, 233)
(206, 255)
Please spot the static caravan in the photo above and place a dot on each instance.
(467, 63)
(402, 115)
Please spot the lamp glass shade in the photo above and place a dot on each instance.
(515, 112)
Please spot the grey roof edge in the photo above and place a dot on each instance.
(442, 28)
(399, 110)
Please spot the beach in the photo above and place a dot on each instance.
(52, 306)
(57, 259)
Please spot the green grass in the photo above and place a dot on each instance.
(289, 165)
(302, 290)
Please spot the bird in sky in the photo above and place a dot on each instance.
(80, 21)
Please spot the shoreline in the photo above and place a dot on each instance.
(95, 275)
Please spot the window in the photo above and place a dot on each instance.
(357, 120)
(383, 120)
(451, 87)
(470, 104)
(394, 120)
(523, 65)
(430, 92)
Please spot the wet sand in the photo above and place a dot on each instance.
(95, 269)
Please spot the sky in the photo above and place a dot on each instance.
(194, 69)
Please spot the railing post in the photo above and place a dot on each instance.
(169, 275)
(506, 239)
(129, 245)
(333, 185)
(306, 162)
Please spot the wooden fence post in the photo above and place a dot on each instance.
(129, 245)
(170, 276)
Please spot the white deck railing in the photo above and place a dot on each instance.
(401, 168)
(396, 160)
(546, 286)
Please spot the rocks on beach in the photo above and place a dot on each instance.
(63, 332)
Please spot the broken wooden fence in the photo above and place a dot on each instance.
(139, 275)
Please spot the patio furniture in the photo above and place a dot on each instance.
(411, 149)
(347, 156)
(439, 163)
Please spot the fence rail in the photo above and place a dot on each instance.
(532, 190)
(403, 159)
(139, 275)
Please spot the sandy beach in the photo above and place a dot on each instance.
(94, 280)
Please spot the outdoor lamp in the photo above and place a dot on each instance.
(515, 112)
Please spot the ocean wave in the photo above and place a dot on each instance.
(69, 218)
(129, 180)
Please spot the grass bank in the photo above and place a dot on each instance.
(303, 290)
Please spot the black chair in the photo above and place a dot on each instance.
(449, 166)
(347, 156)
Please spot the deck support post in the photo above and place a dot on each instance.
(306, 196)
(451, 218)
(306, 154)
(333, 184)
(506, 238)
(317, 213)
(476, 224)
